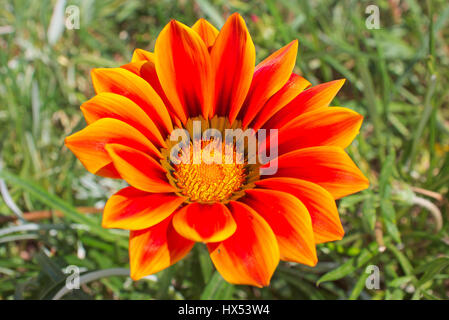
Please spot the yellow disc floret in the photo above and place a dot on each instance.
(212, 181)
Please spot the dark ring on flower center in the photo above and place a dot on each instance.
(222, 180)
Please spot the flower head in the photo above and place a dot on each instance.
(248, 220)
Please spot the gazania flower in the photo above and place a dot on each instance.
(248, 221)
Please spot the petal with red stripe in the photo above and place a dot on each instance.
(184, 69)
(138, 169)
(206, 31)
(251, 254)
(290, 222)
(322, 127)
(233, 59)
(146, 69)
(156, 248)
(321, 205)
(142, 55)
(328, 166)
(313, 98)
(88, 145)
(133, 209)
(111, 105)
(269, 76)
(204, 222)
(294, 86)
(126, 83)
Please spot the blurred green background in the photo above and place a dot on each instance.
(397, 77)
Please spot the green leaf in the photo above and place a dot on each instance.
(430, 296)
(211, 12)
(58, 204)
(432, 269)
(389, 215)
(400, 281)
(52, 270)
(56, 278)
(403, 261)
(164, 281)
(385, 175)
(396, 294)
(308, 289)
(386, 206)
(206, 265)
(217, 288)
(369, 212)
(351, 265)
(359, 286)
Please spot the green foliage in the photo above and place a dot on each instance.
(397, 77)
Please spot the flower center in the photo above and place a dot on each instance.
(205, 166)
(215, 179)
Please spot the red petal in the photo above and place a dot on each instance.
(329, 167)
(126, 83)
(320, 204)
(206, 31)
(133, 209)
(138, 169)
(251, 254)
(156, 248)
(183, 66)
(316, 97)
(233, 58)
(146, 69)
(322, 127)
(204, 222)
(88, 145)
(269, 76)
(294, 86)
(111, 105)
(142, 55)
(290, 222)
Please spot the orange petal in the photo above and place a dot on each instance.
(294, 86)
(135, 67)
(111, 105)
(146, 69)
(233, 58)
(206, 31)
(321, 205)
(269, 76)
(138, 169)
(183, 66)
(322, 127)
(329, 167)
(156, 248)
(204, 222)
(88, 145)
(142, 55)
(126, 83)
(290, 222)
(132, 209)
(251, 254)
(108, 171)
(316, 97)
